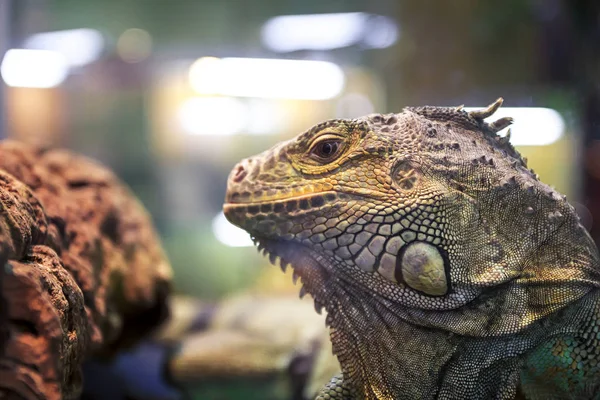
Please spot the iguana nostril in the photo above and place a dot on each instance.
(240, 174)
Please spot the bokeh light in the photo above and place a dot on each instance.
(78, 46)
(134, 45)
(267, 78)
(33, 68)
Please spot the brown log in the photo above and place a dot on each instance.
(83, 270)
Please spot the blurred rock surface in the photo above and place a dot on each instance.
(83, 272)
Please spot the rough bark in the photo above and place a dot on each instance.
(83, 272)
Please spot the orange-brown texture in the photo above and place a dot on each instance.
(83, 272)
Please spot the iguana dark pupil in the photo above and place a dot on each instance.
(327, 149)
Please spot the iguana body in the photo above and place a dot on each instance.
(447, 269)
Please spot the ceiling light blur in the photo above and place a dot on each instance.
(33, 68)
(328, 31)
(220, 116)
(78, 46)
(266, 78)
(223, 116)
(229, 234)
(533, 126)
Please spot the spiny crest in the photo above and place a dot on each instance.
(472, 119)
(496, 126)
(493, 128)
(475, 120)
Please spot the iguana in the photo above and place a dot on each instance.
(447, 269)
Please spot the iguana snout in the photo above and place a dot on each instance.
(263, 198)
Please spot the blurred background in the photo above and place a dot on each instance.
(171, 94)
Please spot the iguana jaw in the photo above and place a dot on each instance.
(279, 218)
(277, 224)
(270, 204)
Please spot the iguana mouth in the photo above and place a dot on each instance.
(305, 264)
(314, 199)
(238, 213)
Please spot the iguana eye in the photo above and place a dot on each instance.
(326, 150)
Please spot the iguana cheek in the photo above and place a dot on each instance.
(422, 268)
(387, 263)
(387, 267)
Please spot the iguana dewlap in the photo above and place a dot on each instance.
(447, 269)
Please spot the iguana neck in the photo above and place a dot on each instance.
(372, 344)
(384, 355)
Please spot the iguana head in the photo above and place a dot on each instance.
(427, 214)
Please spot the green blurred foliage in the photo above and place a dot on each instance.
(205, 267)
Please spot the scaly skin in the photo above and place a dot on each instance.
(447, 269)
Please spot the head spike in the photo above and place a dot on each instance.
(501, 123)
(491, 109)
(506, 138)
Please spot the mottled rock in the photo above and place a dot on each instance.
(83, 272)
